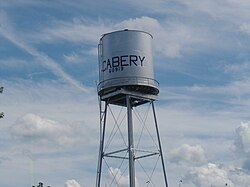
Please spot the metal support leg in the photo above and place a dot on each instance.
(130, 143)
(102, 134)
(159, 142)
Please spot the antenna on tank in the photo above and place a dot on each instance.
(126, 81)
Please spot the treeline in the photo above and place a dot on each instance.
(40, 184)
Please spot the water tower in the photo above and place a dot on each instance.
(126, 83)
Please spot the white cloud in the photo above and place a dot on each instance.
(145, 23)
(193, 155)
(242, 139)
(32, 127)
(72, 183)
(164, 43)
(207, 176)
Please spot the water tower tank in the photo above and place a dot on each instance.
(126, 62)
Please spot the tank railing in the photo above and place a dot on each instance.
(125, 81)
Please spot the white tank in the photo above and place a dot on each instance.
(125, 61)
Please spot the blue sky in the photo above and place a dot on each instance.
(49, 68)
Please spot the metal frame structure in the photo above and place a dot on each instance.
(129, 99)
(126, 80)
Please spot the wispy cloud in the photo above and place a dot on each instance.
(78, 30)
(228, 10)
(7, 31)
(170, 39)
